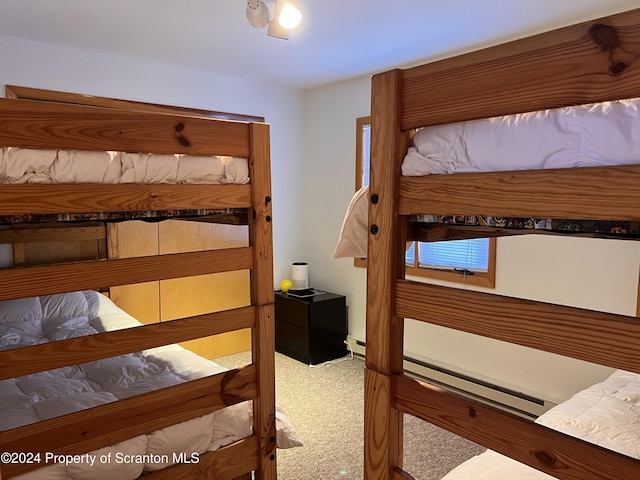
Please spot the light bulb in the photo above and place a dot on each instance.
(290, 17)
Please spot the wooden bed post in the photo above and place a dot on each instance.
(384, 336)
(262, 296)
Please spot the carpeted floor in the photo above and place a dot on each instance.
(325, 404)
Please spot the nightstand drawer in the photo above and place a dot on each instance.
(294, 312)
(293, 341)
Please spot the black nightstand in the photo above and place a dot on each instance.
(312, 329)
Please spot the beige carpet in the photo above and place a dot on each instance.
(325, 404)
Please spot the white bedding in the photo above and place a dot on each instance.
(606, 414)
(580, 136)
(23, 165)
(588, 135)
(45, 395)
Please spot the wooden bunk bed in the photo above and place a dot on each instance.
(37, 125)
(581, 64)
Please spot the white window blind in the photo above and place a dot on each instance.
(459, 254)
(366, 153)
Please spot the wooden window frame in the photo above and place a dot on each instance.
(480, 279)
(360, 123)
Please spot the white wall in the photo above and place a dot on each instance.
(328, 183)
(587, 273)
(39, 65)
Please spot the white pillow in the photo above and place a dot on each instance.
(353, 234)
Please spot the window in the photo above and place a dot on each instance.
(465, 261)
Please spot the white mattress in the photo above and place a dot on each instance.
(581, 136)
(23, 165)
(606, 414)
(45, 395)
(601, 134)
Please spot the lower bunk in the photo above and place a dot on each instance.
(35, 404)
(605, 414)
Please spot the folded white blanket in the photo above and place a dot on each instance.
(23, 165)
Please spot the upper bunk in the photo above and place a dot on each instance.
(89, 134)
(576, 67)
(153, 157)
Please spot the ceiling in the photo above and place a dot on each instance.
(337, 39)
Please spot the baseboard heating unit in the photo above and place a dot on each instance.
(496, 395)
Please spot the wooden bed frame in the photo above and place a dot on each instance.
(585, 63)
(41, 125)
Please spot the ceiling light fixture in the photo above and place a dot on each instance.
(286, 17)
(257, 13)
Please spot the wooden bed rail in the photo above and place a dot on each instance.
(564, 67)
(29, 124)
(35, 280)
(114, 422)
(552, 193)
(597, 337)
(540, 447)
(221, 464)
(78, 350)
(87, 198)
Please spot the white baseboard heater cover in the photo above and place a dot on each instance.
(501, 397)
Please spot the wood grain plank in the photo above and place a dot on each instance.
(555, 193)
(597, 337)
(262, 295)
(53, 234)
(47, 279)
(77, 127)
(384, 331)
(205, 293)
(550, 70)
(114, 422)
(228, 463)
(264, 405)
(383, 427)
(72, 351)
(261, 225)
(27, 93)
(89, 198)
(547, 450)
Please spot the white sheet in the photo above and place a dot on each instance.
(45, 395)
(23, 165)
(589, 135)
(606, 414)
(581, 136)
